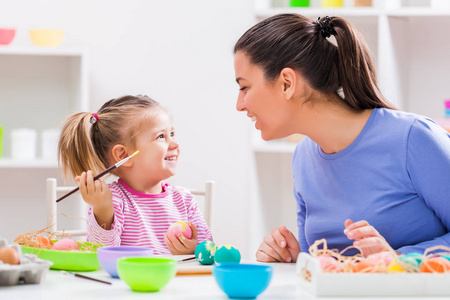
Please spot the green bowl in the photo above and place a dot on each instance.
(146, 274)
(68, 260)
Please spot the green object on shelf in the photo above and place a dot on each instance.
(299, 3)
(1, 141)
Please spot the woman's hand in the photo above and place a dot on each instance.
(97, 194)
(179, 245)
(280, 246)
(366, 237)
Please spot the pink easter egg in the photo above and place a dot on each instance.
(180, 227)
(328, 264)
(66, 245)
(386, 257)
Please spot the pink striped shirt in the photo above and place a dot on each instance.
(142, 219)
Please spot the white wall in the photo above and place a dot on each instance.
(179, 53)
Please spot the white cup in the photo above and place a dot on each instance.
(49, 138)
(23, 144)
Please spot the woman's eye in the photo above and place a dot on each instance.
(242, 88)
(172, 134)
(161, 136)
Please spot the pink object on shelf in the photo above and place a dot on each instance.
(6, 35)
(447, 103)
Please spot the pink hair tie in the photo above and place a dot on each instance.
(94, 118)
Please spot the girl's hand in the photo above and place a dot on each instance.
(179, 245)
(99, 196)
(280, 246)
(95, 193)
(366, 237)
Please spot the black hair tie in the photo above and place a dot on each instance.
(326, 27)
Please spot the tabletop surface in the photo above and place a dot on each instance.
(284, 285)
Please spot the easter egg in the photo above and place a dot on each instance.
(43, 242)
(415, 255)
(66, 245)
(394, 267)
(180, 227)
(435, 265)
(9, 255)
(365, 266)
(328, 264)
(227, 254)
(384, 257)
(205, 251)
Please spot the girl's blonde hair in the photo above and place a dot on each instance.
(84, 146)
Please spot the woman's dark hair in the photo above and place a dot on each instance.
(294, 41)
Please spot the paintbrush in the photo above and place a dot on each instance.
(85, 277)
(101, 174)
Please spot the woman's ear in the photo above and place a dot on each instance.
(120, 152)
(292, 82)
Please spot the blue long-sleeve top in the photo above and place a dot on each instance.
(395, 175)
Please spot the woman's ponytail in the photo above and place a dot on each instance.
(356, 69)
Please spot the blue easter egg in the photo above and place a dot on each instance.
(227, 254)
(204, 252)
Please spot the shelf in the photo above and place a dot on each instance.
(41, 51)
(355, 12)
(38, 163)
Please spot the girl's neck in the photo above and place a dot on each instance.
(145, 188)
(332, 125)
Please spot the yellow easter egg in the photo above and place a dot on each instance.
(394, 267)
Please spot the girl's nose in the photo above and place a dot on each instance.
(173, 144)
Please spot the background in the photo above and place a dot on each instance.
(180, 53)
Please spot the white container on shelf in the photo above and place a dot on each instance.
(23, 144)
(440, 4)
(49, 146)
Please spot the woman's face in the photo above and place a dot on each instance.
(262, 100)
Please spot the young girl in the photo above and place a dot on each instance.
(138, 208)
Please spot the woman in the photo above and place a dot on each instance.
(361, 159)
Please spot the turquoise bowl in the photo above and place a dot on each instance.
(242, 280)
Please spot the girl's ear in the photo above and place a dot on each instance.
(120, 152)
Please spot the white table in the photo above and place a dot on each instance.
(57, 286)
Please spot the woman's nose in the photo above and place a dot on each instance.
(240, 103)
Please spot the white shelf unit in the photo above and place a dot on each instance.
(411, 50)
(39, 88)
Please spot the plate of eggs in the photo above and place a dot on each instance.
(66, 253)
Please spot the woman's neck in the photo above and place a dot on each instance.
(332, 125)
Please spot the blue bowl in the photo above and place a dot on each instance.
(108, 256)
(242, 280)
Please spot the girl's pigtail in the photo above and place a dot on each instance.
(75, 149)
(356, 68)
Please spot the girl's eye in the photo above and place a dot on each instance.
(242, 88)
(161, 136)
(172, 134)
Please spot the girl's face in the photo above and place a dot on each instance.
(259, 98)
(158, 156)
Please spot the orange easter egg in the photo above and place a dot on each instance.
(435, 265)
(43, 242)
(364, 266)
